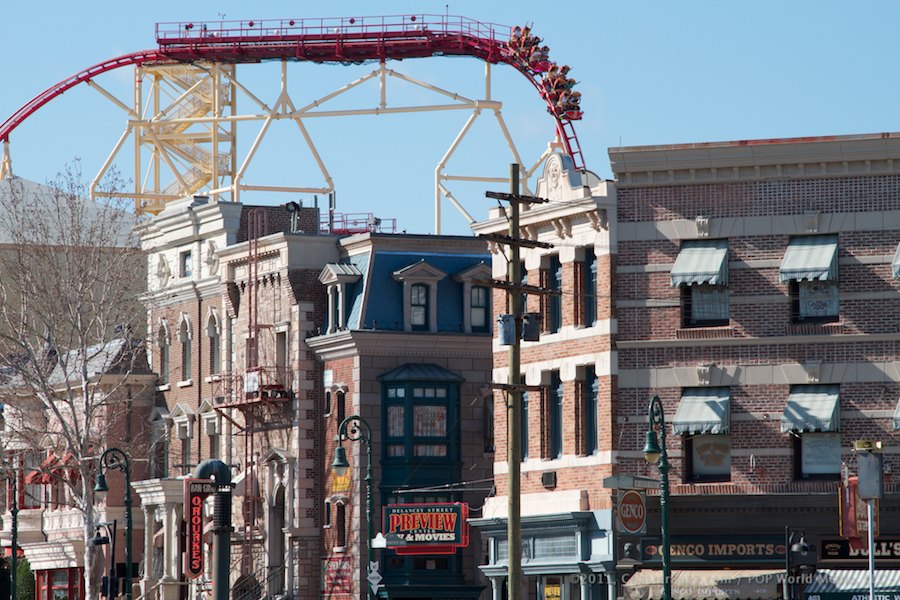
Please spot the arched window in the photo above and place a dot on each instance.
(214, 333)
(185, 335)
(341, 407)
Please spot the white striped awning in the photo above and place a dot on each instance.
(703, 410)
(812, 408)
(732, 584)
(895, 263)
(701, 261)
(847, 584)
(811, 257)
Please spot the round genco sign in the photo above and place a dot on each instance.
(632, 511)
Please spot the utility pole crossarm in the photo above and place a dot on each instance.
(518, 387)
(511, 241)
(515, 197)
(523, 288)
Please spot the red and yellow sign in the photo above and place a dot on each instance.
(195, 493)
(632, 512)
(426, 528)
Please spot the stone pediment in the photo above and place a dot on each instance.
(420, 271)
(560, 180)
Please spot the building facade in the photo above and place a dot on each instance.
(567, 438)
(756, 295)
(406, 346)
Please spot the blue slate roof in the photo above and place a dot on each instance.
(376, 300)
(420, 372)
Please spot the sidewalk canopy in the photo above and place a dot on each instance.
(845, 584)
(811, 257)
(701, 261)
(713, 585)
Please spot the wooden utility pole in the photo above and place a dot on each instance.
(514, 403)
(515, 386)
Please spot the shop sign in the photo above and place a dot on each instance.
(195, 493)
(632, 512)
(838, 549)
(338, 571)
(426, 528)
(714, 549)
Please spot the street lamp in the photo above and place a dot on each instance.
(794, 550)
(357, 429)
(116, 460)
(112, 584)
(12, 475)
(655, 454)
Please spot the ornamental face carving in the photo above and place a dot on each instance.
(212, 259)
(163, 271)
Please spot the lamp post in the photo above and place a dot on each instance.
(655, 454)
(112, 583)
(116, 460)
(791, 549)
(12, 475)
(357, 429)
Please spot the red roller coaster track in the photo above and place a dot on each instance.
(341, 40)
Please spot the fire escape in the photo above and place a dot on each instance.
(262, 393)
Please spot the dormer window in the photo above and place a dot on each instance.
(340, 278)
(418, 307)
(420, 282)
(476, 295)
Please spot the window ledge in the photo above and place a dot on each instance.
(815, 328)
(213, 378)
(185, 383)
(339, 549)
(704, 333)
(163, 388)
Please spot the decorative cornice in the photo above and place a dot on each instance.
(757, 160)
(351, 343)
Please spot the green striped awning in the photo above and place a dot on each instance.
(811, 257)
(701, 261)
(846, 584)
(812, 408)
(895, 264)
(703, 410)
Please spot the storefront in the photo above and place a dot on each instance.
(847, 584)
(761, 584)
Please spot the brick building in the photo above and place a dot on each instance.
(756, 296)
(568, 431)
(233, 293)
(406, 346)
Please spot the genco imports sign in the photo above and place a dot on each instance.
(632, 512)
(426, 528)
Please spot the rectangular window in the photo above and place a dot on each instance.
(479, 309)
(589, 287)
(341, 525)
(704, 305)
(590, 396)
(814, 301)
(341, 407)
(328, 514)
(818, 455)
(488, 423)
(524, 425)
(430, 421)
(556, 416)
(709, 456)
(185, 264)
(418, 307)
(554, 300)
(396, 415)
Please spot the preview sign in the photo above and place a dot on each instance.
(195, 493)
(426, 528)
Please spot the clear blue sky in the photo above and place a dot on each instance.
(650, 73)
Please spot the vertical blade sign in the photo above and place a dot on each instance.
(195, 493)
